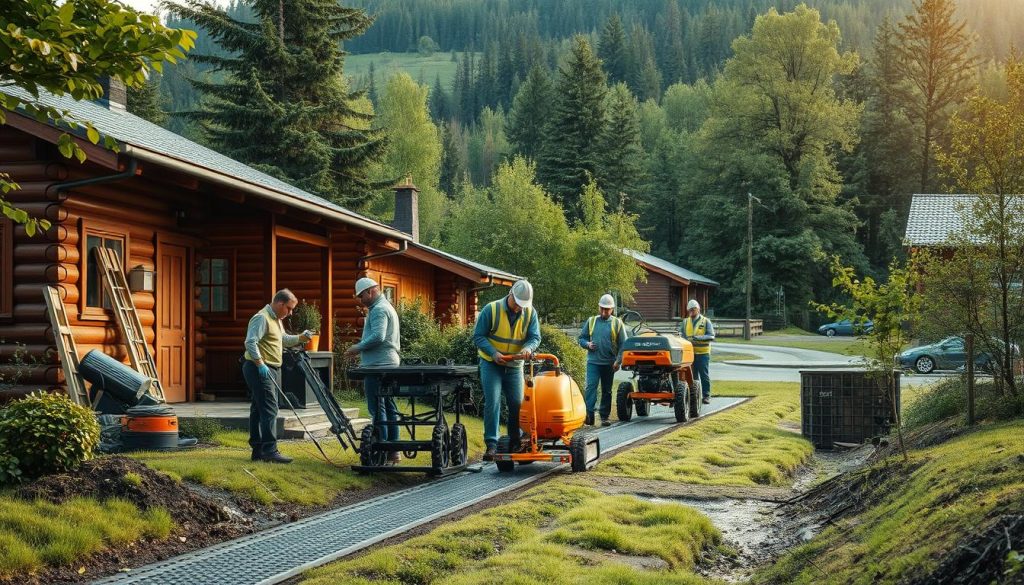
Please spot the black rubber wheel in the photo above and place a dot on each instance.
(459, 445)
(504, 446)
(924, 364)
(696, 399)
(578, 451)
(643, 407)
(369, 454)
(830, 333)
(623, 405)
(681, 404)
(440, 447)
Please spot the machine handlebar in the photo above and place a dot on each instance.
(537, 357)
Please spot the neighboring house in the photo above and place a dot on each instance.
(220, 236)
(668, 288)
(934, 218)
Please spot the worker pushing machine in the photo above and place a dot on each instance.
(700, 331)
(508, 326)
(265, 341)
(602, 336)
(379, 346)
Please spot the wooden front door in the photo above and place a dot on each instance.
(172, 321)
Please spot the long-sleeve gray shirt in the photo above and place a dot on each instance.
(607, 351)
(380, 343)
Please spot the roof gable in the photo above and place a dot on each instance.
(669, 269)
(934, 218)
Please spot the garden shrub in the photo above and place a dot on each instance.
(572, 357)
(948, 398)
(46, 433)
(201, 427)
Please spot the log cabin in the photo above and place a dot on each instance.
(205, 240)
(667, 289)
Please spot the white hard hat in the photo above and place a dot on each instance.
(363, 284)
(693, 304)
(522, 292)
(606, 302)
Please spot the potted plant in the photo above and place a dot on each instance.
(307, 316)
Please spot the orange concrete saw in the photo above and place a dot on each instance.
(662, 367)
(551, 416)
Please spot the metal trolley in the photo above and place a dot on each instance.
(430, 390)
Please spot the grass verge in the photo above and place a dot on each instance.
(918, 513)
(729, 356)
(744, 446)
(851, 346)
(536, 539)
(37, 534)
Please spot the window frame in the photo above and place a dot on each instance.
(106, 231)
(230, 256)
(386, 283)
(6, 268)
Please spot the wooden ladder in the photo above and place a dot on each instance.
(116, 287)
(66, 347)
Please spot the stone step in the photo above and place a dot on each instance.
(323, 428)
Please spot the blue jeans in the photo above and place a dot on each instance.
(498, 381)
(701, 370)
(380, 409)
(263, 408)
(604, 374)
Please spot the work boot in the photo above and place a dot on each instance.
(277, 457)
(605, 422)
(589, 420)
(707, 400)
(256, 455)
(490, 452)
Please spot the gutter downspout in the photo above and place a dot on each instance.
(490, 284)
(133, 166)
(401, 250)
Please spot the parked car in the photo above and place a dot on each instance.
(948, 354)
(845, 327)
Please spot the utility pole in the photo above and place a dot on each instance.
(750, 261)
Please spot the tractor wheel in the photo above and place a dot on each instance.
(623, 405)
(505, 446)
(584, 449)
(440, 447)
(459, 445)
(696, 399)
(681, 404)
(369, 454)
(643, 407)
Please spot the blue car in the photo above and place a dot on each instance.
(948, 354)
(845, 327)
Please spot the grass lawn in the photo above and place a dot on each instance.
(556, 534)
(417, 66)
(730, 356)
(38, 534)
(845, 346)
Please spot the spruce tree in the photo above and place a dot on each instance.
(283, 106)
(620, 156)
(612, 49)
(440, 102)
(530, 110)
(145, 101)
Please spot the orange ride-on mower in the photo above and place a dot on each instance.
(662, 366)
(551, 416)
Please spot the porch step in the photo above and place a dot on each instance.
(322, 429)
(313, 418)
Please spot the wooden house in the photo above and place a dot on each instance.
(206, 241)
(668, 288)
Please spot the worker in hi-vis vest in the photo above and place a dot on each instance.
(602, 336)
(700, 331)
(508, 326)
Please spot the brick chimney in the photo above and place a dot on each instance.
(115, 96)
(407, 209)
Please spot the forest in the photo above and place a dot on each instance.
(607, 124)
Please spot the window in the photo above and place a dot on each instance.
(94, 304)
(390, 292)
(215, 285)
(6, 268)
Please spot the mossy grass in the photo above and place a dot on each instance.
(744, 446)
(532, 540)
(730, 356)
(919, 513)
(37, 534)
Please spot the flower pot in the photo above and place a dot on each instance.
(314, 343)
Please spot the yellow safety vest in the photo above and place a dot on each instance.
(616, 327)
(701, 329)
(503, 336)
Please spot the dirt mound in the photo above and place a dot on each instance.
(130, 480)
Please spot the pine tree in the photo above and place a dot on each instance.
(936, 60)
(620, 156)
(454, 158)
(530, 110)
(283, 106)
(440, 102)
(612, 49)
(371, 84)
(146, 101)
(569, 156)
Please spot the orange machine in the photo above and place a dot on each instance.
(552, 413)
(662, 367)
